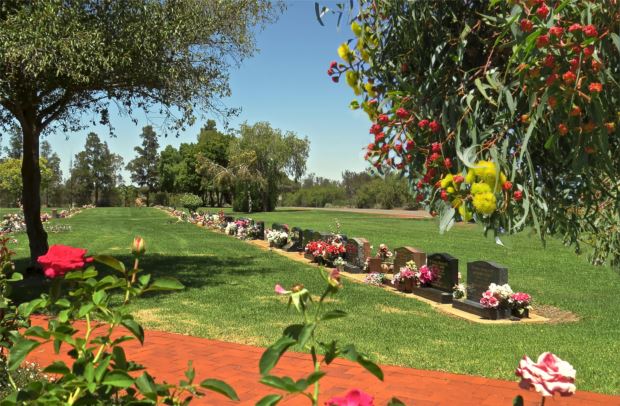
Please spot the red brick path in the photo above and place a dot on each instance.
(166, 355)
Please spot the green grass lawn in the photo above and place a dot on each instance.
(230, 297)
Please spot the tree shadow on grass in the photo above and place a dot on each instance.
(199, 271)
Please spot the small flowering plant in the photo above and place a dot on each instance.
(340, 263)
(327, 250)
(405, 273)
(496, 296)
(313, 317)
(459, 291)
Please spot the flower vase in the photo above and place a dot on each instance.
(496, 314)
(405, 286)
(524, 314)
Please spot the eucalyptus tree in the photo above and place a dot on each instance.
(61, 59)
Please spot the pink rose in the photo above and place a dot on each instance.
(493, 302)
(354, 397)
(487, 295)
(548, 376)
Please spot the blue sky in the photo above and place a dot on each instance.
(285, 84)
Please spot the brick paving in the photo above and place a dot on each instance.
(166, 355)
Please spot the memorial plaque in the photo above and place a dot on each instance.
(406, 254)
(55, 214)
(480, 274)
(374, 265)
(307, 236)
(260, 227)
(295, 239)
(357, 251)
(448, 270)
(280, 227)
(229, 219)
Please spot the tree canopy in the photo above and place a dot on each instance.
(505, 111)
(60, 58)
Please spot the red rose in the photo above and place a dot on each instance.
(574, 27)
(595, 87)
(542, 41)
(526, 25)
(569, 77)
(383, 118)
(434, 126)
(518, 195)
(507, 185)
(590, 31)
(556, 31)
(61, 259)
(435, 157)
(423, 123)
(436, 147)
(402, 113)
(543, 11)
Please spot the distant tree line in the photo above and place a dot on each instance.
(355, 189)
(248, 168)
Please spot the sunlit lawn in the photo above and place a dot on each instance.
(230, 297)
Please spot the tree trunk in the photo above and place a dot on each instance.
(147, 198)
(31, 192)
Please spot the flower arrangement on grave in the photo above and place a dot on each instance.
(231, 228)
(374, 278)
(459, 291)
(405, 278)
(254, 232)
(384, 252)
(339, 263)
(221, 219)
(496, 296)
(521, 303)
(277, 238)
(12, 223)
(548, 376)
(426, 275)
(45, 217)
(328, 251)
(242, 229)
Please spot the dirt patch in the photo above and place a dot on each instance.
(556, 315)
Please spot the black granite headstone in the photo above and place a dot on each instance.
(295, 240)
(448, 270)
(260, 230)
(480, 274)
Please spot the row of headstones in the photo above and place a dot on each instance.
(480, 274)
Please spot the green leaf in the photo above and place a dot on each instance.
(102, 368)
(395, 402)
(57, 367)
(111, 262)
(272, 354)
(334, 314)
(284, 383)
(616, 40)
(119, 358)
(118, 379)
(18, 352)
(269, 400)
(135, 328)
(517, 401)
(166, 284)
(147, 387)
(99, 296)
(221, 387)
(306, 334)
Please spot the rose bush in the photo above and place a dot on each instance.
(61, 259)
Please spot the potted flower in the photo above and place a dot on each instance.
(375, 279)
(496, 301)
(426, 275)
(405, 278)
(520, 304)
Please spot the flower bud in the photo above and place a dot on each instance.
(138, 248)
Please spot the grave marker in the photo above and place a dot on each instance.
(357, 251)
(406, 254)
(480, 274)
